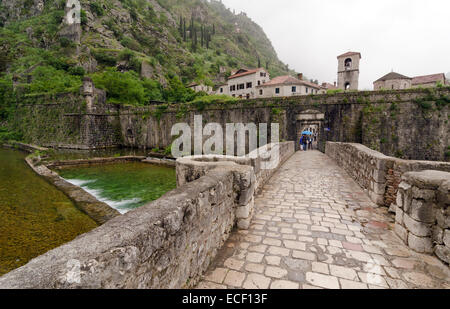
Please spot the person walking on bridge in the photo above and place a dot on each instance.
(304, 142)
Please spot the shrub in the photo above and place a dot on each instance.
(47, 79)
(104, 58)
(97, 9)
(121, 88)
(77, 71)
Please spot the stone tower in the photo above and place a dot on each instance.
(348, 71)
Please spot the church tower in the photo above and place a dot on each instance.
(348, 70)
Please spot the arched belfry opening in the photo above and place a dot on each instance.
(347, 86)
(348, 63)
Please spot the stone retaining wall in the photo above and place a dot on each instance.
(423, 212)
(380, 175)
(168, 243)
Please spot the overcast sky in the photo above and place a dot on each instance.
(411, 37)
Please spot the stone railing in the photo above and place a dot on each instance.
(423, 212)
(250, 173)
(168, 243)
(380, 175)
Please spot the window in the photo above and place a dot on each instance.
(249, 85)
(277, 90)
(221, 90)
(248, 96)
(294, 89)
(348, 63)
(260, 92)
(259, 83)
(307, 89)
(347, 86)
(242, 86)
(262, 74)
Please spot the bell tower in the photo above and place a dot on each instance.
(348, 71)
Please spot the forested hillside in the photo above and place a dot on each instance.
(151, 47)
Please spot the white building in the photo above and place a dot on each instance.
(243, 83)
(201, 87)
(286, 86)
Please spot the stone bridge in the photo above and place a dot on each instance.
(315, 227)
(315, 221)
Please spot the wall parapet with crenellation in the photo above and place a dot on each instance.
(380, 175)
(423, 213)
(168, 243)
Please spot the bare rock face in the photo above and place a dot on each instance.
(146, 70)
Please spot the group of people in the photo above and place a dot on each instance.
(306, 142)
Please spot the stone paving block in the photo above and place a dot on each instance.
(343, 272)
(217, 275)
(255, 268)
(235, 264)
(273, 260)
(255, 257)
(319, 267)
(302, 255)
(321, 280)
(255, 281)
(352, 285)
(294, 245)
(234, 279)
(275, 272)
(284, 285)
(278, 251)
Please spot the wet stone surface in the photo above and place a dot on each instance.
(314, 227)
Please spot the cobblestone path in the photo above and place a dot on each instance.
(314, 227)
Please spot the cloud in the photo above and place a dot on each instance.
(407, 36)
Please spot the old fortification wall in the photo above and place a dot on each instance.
(423, 212)
(408, 124)
(168, 243)
(380, 175)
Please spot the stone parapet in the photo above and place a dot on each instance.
(168, 243)
(250, 173)
(423, 213)
(380, 175)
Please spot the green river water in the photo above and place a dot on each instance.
(123, 186)
(35, 217)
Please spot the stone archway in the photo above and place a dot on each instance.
(310, 120)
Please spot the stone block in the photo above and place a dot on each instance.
(420, 244)
(377, 198)
(400, 199)
(422, 211)
(379, 176)
(438, 235)
(447, 238)
(423, 194)
(401, 232)
(244, 224)
(443, 253)
(442, 220)
(379, 188)
(399, 216)
(243, 212)
(415, 227)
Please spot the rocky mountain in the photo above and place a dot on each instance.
(196, 40)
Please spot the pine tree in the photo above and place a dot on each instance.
(202, 35)
(184, 29)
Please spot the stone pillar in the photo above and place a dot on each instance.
(422, 212)
(88, 93)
